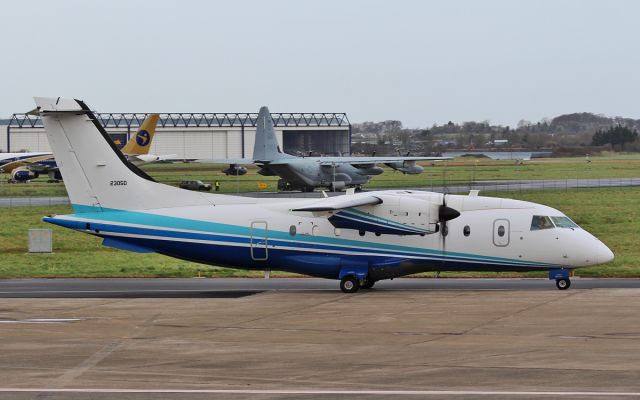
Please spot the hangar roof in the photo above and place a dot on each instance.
(124, 120)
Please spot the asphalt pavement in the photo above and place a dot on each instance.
(240, 287)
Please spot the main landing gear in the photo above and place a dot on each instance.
(351, 284)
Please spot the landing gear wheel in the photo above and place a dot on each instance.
(368, 284)
(563, 284)
(349, 284)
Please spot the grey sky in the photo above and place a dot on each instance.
(417, 61)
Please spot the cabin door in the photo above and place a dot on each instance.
(259, 241)
(501, 232)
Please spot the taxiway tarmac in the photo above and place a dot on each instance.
(498, 338)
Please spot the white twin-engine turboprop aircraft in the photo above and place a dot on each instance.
(356, 238)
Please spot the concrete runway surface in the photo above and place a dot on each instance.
(304, 339)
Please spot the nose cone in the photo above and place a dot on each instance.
(604, 254)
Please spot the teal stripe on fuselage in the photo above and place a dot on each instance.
(380, 220)
(163, 221)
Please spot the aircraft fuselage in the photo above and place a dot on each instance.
(489, 235)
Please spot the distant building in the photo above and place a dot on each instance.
(202, 135)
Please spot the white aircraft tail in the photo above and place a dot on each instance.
(96, 174)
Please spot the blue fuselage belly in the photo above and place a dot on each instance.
(307, 256)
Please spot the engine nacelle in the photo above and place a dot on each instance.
(395, 216)
(415, 169)
(406, 167)
(23, 174)
(337, 186)
(370, 170)
(265, 171)
(235, 170)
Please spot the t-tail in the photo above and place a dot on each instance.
(96, 174)
(141, 142)
(266, 148)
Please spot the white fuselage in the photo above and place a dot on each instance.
(260, 235)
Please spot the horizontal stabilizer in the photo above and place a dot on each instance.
(123, 245)
(340, 202)
(371, 160)
(234, 161)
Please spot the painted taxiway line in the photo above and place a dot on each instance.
(324, 392)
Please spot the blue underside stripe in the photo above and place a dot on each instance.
(220, 232)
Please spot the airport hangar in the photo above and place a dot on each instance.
(202, 135)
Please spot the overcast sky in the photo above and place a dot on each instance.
(417, 61)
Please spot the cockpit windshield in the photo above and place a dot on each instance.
(541, 222)
(564, 222)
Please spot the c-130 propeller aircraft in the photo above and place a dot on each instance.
(355, 238)
(308, 173)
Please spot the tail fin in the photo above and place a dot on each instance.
(141, 142)
(266, 145)
(96, 174)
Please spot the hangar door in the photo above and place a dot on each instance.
(203, 144)
(192, 143)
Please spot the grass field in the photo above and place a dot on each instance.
(613, 215)
(461, 170)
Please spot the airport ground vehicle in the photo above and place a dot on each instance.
(195, 185)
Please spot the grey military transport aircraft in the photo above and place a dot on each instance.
(308, 173)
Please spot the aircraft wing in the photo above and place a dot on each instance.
(236, 161)
(10, 166)
(373, 160)
(340, 202)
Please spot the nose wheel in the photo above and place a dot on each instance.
(563, 284)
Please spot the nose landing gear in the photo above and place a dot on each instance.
(561, 277)
(563, 284)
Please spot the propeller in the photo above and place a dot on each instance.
(445, 214)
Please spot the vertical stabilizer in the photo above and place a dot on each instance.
(96, 174)
(266, 145)
(141, 142)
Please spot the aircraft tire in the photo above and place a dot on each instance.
(349, 284)
(368, 284)
(563, 284)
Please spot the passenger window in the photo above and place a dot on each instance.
(292, 230)
(540, 222)
(466, 230)
(501, 231)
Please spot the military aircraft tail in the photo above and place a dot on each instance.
(141, 142)
(266, 146)
(96, 174)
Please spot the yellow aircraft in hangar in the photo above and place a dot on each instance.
(24, 167)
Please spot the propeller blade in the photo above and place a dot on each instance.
(445, 214)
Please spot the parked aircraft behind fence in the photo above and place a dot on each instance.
(308, 173)
(24, 167)
(356, 238)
